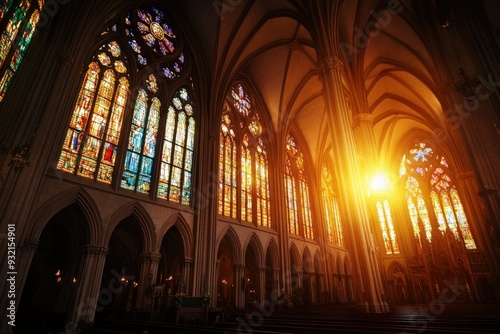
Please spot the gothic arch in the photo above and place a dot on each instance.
(145, 222)
(295, 258)
(307, 261)
(182, 225)
(255, 243)
(234, 242)
(78, 196)
(272, 250)
(319, 262)
(393, 266)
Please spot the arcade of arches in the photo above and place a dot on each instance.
(296, 152)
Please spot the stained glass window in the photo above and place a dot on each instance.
(16, 37)
(240, 100)
(298, 192)
(92, 139)
(4, 7)
(291, 199)
(387, 227)
(160, 168)
(243, 153)
(332, 215)
(155, 30)
(178, 149)
(246, 180)
(306, 206)
(428, 182)
(141, 148)
(227, 166)
(262, 186)
(149, 29)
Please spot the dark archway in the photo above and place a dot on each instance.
(226, 289)
(252, 282)
(51, 286)
(170, 267)
(296, 280)
(119, 285)
(271, 279)
(308, 278)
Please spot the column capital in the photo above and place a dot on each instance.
(189, 260)
(95, 251)
(239, 266)
(331, 63)
(150, 257)
(358, 119)
(29, 245)
(261, 269)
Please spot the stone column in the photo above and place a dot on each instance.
(262, 285)
(148, 272)
(354, 195)
(87, 296)
(239, 285)
(277, 287)
(186, 274)
(23, 262)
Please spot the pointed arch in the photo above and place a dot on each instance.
(256, 244)
(307, 260)
(295, 258)
(299, 213)
(272, 250)
(393, 266)
(136, 210)
(319, 263)
(234, 242)
(244, 191)
(78, 196)
(182, 225)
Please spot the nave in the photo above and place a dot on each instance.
(434, 318)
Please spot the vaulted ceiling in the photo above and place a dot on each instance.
(392, 69)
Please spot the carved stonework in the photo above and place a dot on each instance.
(29, 245)
(331, 63)
(152, 258)
(362, 118)
(96, 251)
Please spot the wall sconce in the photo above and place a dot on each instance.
(74, 280)
(224, 281)
(136, 284)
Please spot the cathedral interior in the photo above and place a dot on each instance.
(294, 153)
